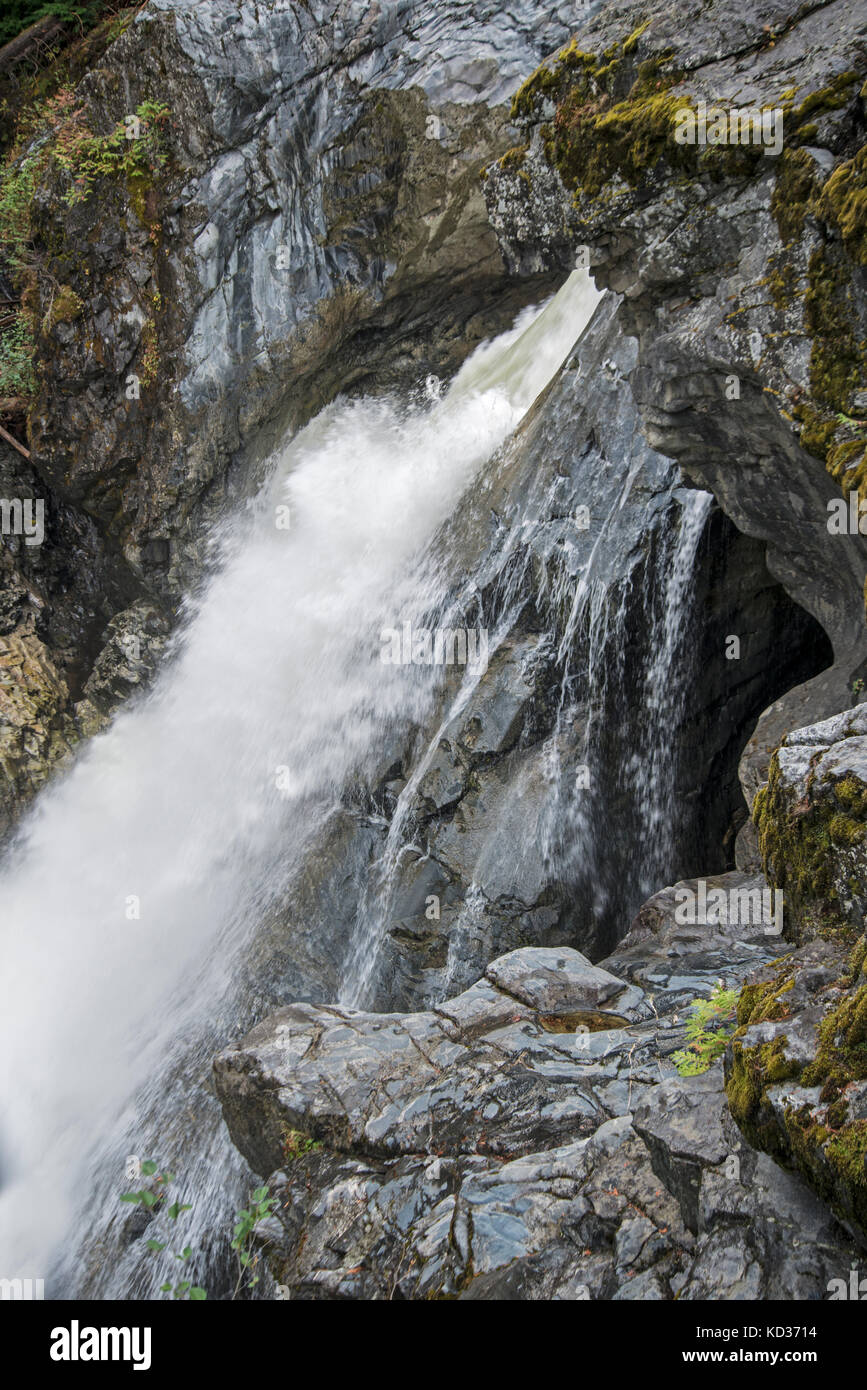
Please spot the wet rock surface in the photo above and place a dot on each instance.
(501, 846)
(489, 1149)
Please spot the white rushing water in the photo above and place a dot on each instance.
(138, 877)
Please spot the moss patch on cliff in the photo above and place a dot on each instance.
(800, 120)
(56, 142)
(793, 191)
(838, 366)
(843, 203)
(751, 1071)
(612, 117)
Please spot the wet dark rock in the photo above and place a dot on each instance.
(469, 1152)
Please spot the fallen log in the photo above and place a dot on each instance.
(33, 41)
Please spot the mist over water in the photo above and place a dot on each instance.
(141, 874)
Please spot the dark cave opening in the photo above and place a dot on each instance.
(744, 643)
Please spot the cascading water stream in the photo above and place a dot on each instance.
(140, 877)
(606, 827)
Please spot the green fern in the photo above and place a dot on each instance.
(712, 1023)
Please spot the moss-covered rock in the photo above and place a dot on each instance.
(796, 1069)
(812, 824)
(36, 731)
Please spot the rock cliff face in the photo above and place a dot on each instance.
(742, 271)
(311, 222)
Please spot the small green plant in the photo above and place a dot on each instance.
(246, 1222)
(712, 1023)
(296, 1144)
(843, 419)
(133, 150)
(17, 377)
(153, 1198)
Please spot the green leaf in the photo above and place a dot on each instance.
(149, 1199)
(156, 1245)
(148, 1168)
(165, 1288)
(131, 1197)
(259, 1194)
(197, 1295)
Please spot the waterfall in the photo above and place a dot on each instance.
(136, 884)
(615, 602)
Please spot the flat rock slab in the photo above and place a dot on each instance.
(562, 981)
(488, 1071)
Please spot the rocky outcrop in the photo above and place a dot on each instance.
(812, 821)
(741, 272)
(743, 278)
(497, 834)
(529, 1139)
(797, 1067)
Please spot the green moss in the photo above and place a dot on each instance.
(630, 43)
(848, 1153)
(836, 95)
(847, 462)
(857, 964)
(795, 848)
(841, 1055)
(793, 190)
(766, 1000)
(837, 359)
(853, 795)
(843, 203)
(838, 365)
(591, 144)
(551, 82)
(612, 118)
(782, 282)
(752, 1070)
(512, 160)
(845, 831)
(66, 306)
(829, 1150)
